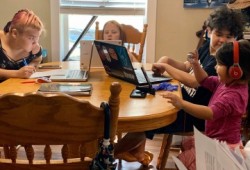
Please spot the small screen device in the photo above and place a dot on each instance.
(148, 88)
(141, 91)
(137, 94)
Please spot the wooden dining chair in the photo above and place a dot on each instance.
(133, 38)
(32, 119)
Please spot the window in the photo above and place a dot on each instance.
(75, 14)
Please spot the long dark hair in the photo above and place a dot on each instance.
(224, 56)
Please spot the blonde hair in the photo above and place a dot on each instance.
(122, 34)
(22, 19)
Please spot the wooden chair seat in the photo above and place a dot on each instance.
(30, 119)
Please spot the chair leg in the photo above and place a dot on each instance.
(6, 151)
(119, 137)
(164, 151)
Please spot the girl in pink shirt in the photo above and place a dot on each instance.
(229, 99)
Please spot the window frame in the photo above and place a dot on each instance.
(55, 26)
(105, 7)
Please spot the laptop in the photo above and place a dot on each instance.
(89, 58)
(116, 62)
(74, 75)
(88, 53)
(68, 75)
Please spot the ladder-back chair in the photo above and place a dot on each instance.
(133, 37)
(31, 119)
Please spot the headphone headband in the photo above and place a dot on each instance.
(235, 71)
(236, 52)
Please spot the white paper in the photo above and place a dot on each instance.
(56, 72)
(247, 152)
(178, 163)
(214, 155)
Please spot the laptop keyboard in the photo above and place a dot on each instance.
(76, 74)
(153, 79)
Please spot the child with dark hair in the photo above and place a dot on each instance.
(229, 97)
(223, 25)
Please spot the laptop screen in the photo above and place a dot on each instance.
(116, 61)
(89, 54)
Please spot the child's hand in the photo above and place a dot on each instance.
(158, 68)
(26, 71)
(192, 57)
(173, 99)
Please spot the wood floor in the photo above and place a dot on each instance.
(151, 145)
(154, 147)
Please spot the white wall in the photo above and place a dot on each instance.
(176, 27)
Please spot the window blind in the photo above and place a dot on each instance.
(105, 7)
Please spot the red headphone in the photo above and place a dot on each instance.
(235, 71)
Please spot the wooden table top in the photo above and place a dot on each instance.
(135, 114)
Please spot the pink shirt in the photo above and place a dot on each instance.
(228, 104)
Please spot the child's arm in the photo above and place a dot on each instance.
(199, 111)
(37, 51)
(177, 74)
(199, 72)
(184, 66)
(24, 72)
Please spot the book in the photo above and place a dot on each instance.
(75, 89)
(215, 154)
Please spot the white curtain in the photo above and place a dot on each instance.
(133, 7)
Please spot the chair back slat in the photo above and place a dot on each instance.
(32, 119)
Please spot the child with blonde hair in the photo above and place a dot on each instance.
(20, 51)
(112, 30)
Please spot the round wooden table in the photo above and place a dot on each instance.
(135, 115)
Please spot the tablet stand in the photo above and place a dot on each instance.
(91, 21)
(146, 88)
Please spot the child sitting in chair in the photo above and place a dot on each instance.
(229, 97)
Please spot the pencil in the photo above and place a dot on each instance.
(25, 62)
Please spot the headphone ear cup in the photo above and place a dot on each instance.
(235, 72)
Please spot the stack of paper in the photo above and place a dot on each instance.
(214, 155)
